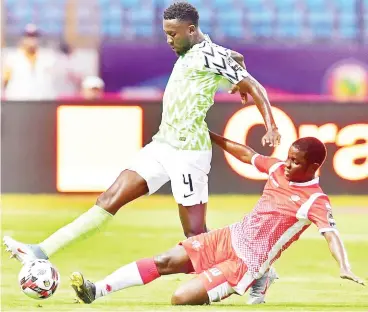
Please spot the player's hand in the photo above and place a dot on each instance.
(244, 96)
(272, 138)
(347, 274)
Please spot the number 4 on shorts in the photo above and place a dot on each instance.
(187, 180)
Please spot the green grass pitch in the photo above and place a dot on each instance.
(309, 276)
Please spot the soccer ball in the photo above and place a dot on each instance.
(39, 279)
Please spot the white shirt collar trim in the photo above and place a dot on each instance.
(308, 183)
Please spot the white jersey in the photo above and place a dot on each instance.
(190, 93)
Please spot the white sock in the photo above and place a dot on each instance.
(83, 226)
(127, 276)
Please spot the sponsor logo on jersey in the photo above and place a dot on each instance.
(294, 198)
(196, 245)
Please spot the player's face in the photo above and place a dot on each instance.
(30, 43)
(179, 35)
(297, 168)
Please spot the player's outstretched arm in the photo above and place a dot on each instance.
(259, 95)
(338, 251)
(241, 152)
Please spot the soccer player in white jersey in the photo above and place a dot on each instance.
(229, 260)
(181, 150)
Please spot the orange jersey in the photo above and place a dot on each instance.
(285, 210)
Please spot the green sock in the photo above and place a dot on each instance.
(83, 226)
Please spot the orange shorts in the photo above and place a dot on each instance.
(216, 262)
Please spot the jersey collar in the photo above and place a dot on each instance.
(308, 183)
(196, 46)
(207, 38)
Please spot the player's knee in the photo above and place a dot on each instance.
(179, 298)
(183, 297)
(163, 263)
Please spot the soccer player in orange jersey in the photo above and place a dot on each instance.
(229, 260)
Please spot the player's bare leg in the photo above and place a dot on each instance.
(192, 292)
(175, 260)
(193, 219)
(127, 187)
(136, 273)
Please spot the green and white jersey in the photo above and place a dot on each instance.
(190, 93)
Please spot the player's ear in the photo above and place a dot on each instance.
(192, 29)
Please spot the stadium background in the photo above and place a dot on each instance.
(312, 57)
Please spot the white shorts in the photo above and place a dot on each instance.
(187, 170)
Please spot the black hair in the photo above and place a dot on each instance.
(315, 150)
(183, 11)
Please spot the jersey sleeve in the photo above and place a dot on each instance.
(321, 215)
(264, 163)
(218, 60)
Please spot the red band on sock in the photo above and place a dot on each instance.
(148, 270)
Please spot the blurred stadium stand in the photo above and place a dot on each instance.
(266, 21)
(48, 15)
